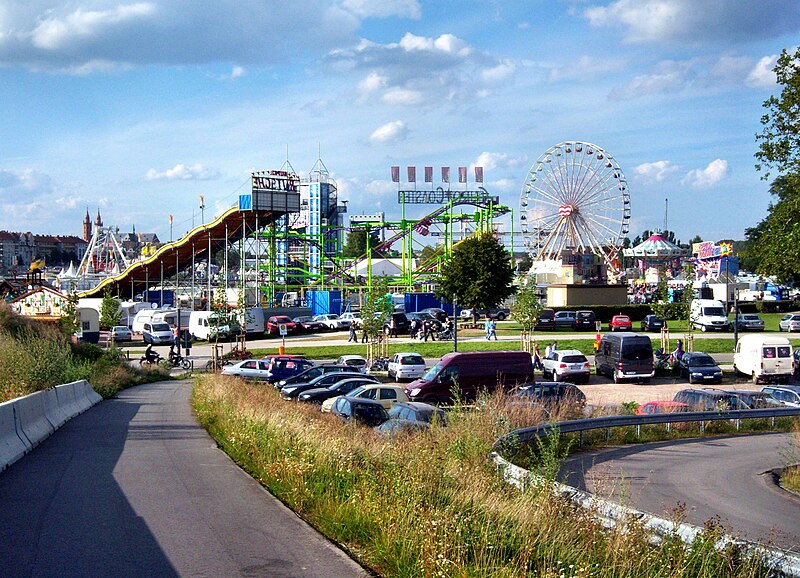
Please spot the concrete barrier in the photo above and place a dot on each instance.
(68, 399)
(12, 447)
(32, 417)
(52, 410)
(90, 393)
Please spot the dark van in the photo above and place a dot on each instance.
(469, 373)
(625, 355)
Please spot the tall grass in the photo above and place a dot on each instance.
(35, 356)
(429, 503)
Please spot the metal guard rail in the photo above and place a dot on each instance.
(580, 425)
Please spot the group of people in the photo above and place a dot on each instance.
(353, 337)
(537, 356)
(490, 327)
(423, 329)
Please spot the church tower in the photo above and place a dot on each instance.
(87, 227)
(98, 222)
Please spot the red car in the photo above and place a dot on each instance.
(652, 407)
(274, 323)
(621, 323)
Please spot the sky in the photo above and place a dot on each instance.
(137, 108)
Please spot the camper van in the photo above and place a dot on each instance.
(170, 317)
(708, 314)
(206, 325)
(764, 358)
(142, 317)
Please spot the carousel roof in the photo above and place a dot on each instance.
(655, 246)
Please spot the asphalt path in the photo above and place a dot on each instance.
(728, 478)
(135, 487)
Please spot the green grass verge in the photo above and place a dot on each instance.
(429, 503)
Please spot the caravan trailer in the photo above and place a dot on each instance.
(252, 320)
(142, 317)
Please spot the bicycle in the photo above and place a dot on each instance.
(177, 360)
(212, 365)
(148, 361)
(380, 364)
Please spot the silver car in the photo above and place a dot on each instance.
(790, 322)
(569, 364)
(748, 322)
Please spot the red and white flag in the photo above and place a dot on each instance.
(462, 174)
(445, 174)
(478, 174)
(395, 174)
(412, 174)
(428, 174)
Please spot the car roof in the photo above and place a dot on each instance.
(568, 352)
(794, 388)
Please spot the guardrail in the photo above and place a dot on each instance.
(593, 423)
(610, 514)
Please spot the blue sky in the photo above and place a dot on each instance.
(139, 107)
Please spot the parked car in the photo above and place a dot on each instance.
(332, 321)
(564, 319)
(621, 323)
(498, 313)
(438, 313)
(567, 364)
(121, 333)
(311, 373)
(308, 324)
(546, 319)
(157, 333)
(356, 362)
(653, 407)
(293, 390)
(282, 366)
(710, 399)
(401, 323)
(406, 365)
(625, 356)
(249, 369)
(317, 395)
(352, 318)
(274, 323)
(789, 322)
(765, 357)
(552, 393)
(652, 323)
(758, 399)
(385, 394)
(585, 320)
(363, 411)
(788, 395)
(421, 317)
(747, 322)
(411, 416)
(699, 367)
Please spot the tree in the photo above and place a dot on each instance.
(779, 142)
(69, 317)
(377, 308)
(527, 307)
(356, 243)
(109, 310)
(479, 273)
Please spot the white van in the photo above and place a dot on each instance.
(708, 314)
(252, 320)
(205, 325)
(764, 358)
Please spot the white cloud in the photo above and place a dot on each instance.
(402, 96)
(696, 21)
(491, 161)
(390, 132)
(762, 75)
(383, 8)
(585, 68)
(668, 77)
(707, 177)
(374, 81)
(196, 172)
(654, 172)
(499, 72)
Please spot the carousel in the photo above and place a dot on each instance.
(655, 253)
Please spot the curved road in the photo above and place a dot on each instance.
(135, 487)
(724, 477)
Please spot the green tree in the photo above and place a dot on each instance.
(479, 273)
(356, 243)
(69, 317)
(527, 307)
(110, 313)
(377, 308)
(779, 141)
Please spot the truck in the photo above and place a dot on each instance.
(708, 314)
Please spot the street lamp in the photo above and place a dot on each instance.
(455, 325)
(202, 210)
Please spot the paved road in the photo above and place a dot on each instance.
(722, 477)
(135, 487)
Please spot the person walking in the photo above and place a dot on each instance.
(426, 330)
(537, 358)
(492, 330)
(555, 346)
(487, 328)
(353, 337)
(548, 350)
(364, 337)
(392, 327)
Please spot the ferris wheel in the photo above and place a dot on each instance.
(575, 200)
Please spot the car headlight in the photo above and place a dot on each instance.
(697, 374)
(289, 389)
(415, 391)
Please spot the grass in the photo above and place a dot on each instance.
(429, 503)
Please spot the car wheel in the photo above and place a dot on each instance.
(501, 316)
(703, 328)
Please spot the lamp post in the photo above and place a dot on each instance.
(455, 325)
(735, 317)
(202, 210)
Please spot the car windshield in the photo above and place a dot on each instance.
(585, 314)
(637, 350)
(702, 361)
(574, 359)
(622, 319)
(160, 327)
(714, 311)
(412, 360)
(784, 351)
(360, 389)
(750, 317)
(432, 372)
